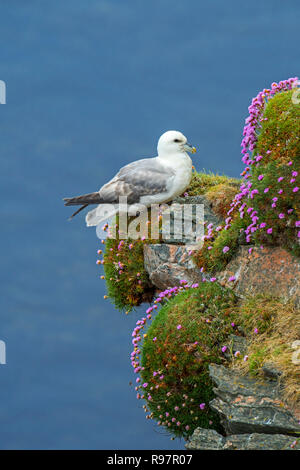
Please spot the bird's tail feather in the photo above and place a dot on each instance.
(91, 198)
(100, 213)
(78, 210)
(94, 217)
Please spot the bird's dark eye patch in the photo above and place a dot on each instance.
(177, 140)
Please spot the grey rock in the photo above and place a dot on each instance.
(248, 406)
(168, 264)
(185, 230)
(235, 344)
(261, 442)
(271, 270)
(210, 217)
(270, 371)
(206, 439)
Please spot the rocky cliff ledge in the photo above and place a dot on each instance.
(219, 364)
(266, 269)
(252, 411)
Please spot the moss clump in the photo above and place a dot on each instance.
(279, 209)
(220, 190)
(185, 337)
(221, 197)
(203, 182)
(270, 206)
(271, 326)
(211, 257)
(276, 175)
(128, 283)
(279, 136)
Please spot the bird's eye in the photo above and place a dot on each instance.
(177, 140)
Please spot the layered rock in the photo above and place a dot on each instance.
(271, 270)
(252, 413)
(248, 406)
(168, 264)
(206, 439)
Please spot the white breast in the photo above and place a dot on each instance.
(182, 164)
(183, 168)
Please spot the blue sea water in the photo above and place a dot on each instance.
(90, 87)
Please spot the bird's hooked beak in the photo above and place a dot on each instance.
(189, 148)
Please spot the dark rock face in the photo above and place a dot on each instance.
(184, 219)
(247, 406)
(252, 414)
(206, 439)
(270, 371)
(270, 270)
(167, 264)
(234, 344)
(261, 442)
(210, 217)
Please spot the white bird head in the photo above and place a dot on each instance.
(173, 142)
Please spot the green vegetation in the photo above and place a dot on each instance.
(186, 336)
(211, 257)
(279, 136)
(279, 145)
(128, 284)
(203, 182)
(271, 325)
(273, 207)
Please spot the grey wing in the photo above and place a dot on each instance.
(140, 178)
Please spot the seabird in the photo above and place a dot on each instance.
(148, 181)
